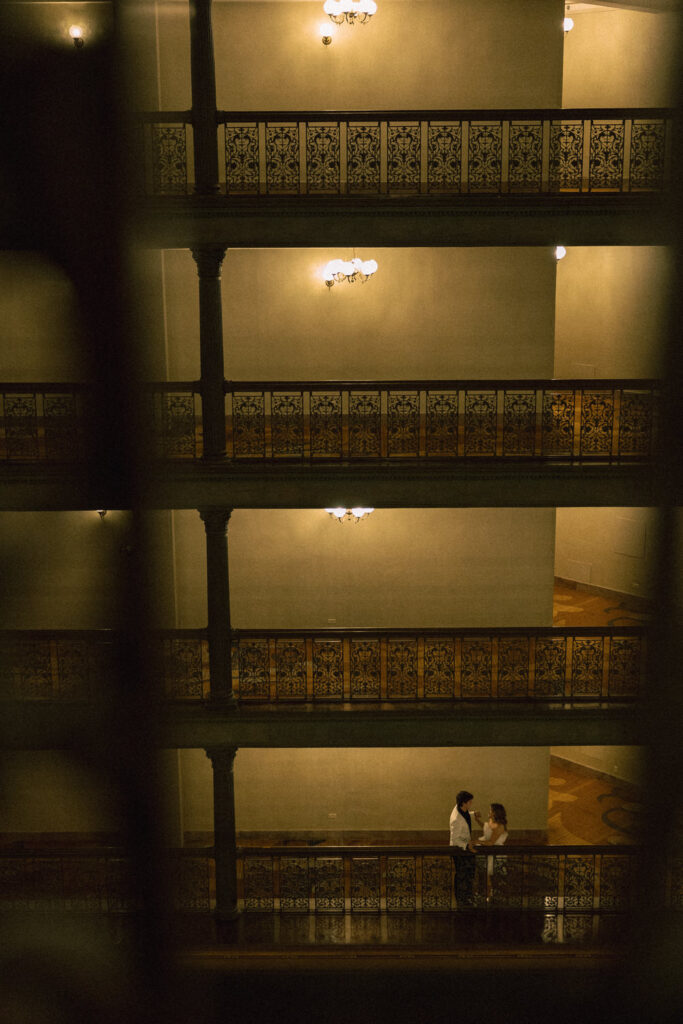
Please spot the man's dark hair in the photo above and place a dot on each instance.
(462, 798)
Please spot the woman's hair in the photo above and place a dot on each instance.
(462, 798)
(498, 814)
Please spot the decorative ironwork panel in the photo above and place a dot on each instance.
(294, 883)
(403, 433)
(177, 426)
(519, 422)
(101, 665)
(282, 158)
(578, 927)
(635, 423)
(21, 426)
(513, 666)
(587, 658)
(169, 160)
(401, 883)
(183, 668)
(254, 669)
(241, 158)
(542, 882)
(249, 425)
(365, 887)
(401, 668)
(73, 680)
(362, 158)
(444, 156)
(329, 883)
(63, 431)
(558, 422)
(624, 666)
(480, 422)
(607, 155)
(322, 157)
(442, 423)
(597, 421)
(365, 668)
(258, 883)
(436, 883)
(44, 878)
(326, 423)
(566, 155)
(34, 662)
(617, 882)
(404, 156)
(12, 882)
(477, 667)
(328, 668)
(189, 883)
(439, 668)
(83, 883)
(525, 153)
(508, 882)
(287, 424)
(579, 882)
(290, 666)
(550, 666)
(364, 424)
(648, 145)
(485, 156)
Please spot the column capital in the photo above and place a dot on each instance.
(209, 259)
(222, 757)
(215, 519)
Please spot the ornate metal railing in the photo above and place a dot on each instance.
(547, 419)
(598, 664)
(51, 422)
(571, 884)
(465, 152)
(98, 880)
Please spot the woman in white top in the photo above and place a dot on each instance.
(495, 834)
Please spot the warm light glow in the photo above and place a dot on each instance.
(337, 271)
(345, 515)
(568, 24)
(101, 512)
(76, 32)
(560, 252)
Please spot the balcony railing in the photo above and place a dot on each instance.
(316, 421)
(449, 152)
(570, 884)
(603, 665)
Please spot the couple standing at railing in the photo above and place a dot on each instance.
(464, 847)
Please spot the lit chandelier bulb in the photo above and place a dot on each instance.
(560, 252)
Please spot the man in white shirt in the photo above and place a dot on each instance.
(463, 848)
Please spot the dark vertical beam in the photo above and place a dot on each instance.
(209, 260)
(203, 98)
(218, 597)
(225, 837)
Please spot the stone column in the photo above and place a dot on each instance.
(203, 71)
(218, 598)
(209, 260)
(225, 837)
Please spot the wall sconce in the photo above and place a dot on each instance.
(101, 512)
(327, 31)
(568, 23)
(560, 252)
(349, 515)
(349, 271)
(76, 33)
(351, 11)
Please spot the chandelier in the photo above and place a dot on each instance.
(349, 515)
(351, 11)
(348, 270)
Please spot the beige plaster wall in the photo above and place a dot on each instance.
(614, 548)
(59, 570)
(47, 23)
(612, 310)
(620, 58)
(626, 763)
(296, 568)
(437, 53)
(366, 789)
(426, 313)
